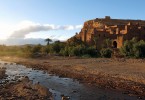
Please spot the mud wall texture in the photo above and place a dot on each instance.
(118, 30)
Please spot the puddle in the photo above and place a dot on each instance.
(59, 86)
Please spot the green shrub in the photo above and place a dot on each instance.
(36, 49)
(139, 49)
(86, 56)
(133, 48)
(79, 50)
(64, 51)
(45, 49)
(127, 49)
(92, 51)
(106, 52)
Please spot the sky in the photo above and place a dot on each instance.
(32, 21)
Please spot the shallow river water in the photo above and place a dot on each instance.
(59, 86)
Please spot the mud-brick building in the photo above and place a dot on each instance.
(118, 30)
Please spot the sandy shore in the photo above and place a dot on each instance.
(126, 75)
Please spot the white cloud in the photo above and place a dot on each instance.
(27, 27)
(28, 32)
(5, 30)
(79, 26)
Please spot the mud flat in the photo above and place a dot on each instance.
(124, 76)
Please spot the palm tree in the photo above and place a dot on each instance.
(48, 41)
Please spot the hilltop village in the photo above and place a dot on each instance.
(118, 30)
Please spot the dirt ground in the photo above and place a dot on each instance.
(127, 75)
(2, 73)
(24, 90)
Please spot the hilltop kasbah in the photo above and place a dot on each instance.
(118, 30)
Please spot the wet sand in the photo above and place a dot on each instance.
(20, 87)
(24, 90)
(126, 75)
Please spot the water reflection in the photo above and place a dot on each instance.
(61, 86)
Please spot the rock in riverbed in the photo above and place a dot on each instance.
(26, 90)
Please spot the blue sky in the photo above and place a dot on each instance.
(63, 17)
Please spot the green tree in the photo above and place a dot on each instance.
(127, 48)
(57, 46)
(48, 40)
(139, 49)
(92, 51)
(74, 41)
(65, 51)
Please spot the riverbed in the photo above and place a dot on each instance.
(61, 86)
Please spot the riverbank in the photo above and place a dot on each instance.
(2, 72)
(126, 75)
(20, 87)
(24, 90)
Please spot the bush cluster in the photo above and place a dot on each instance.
(133, 48)
(75, 47)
